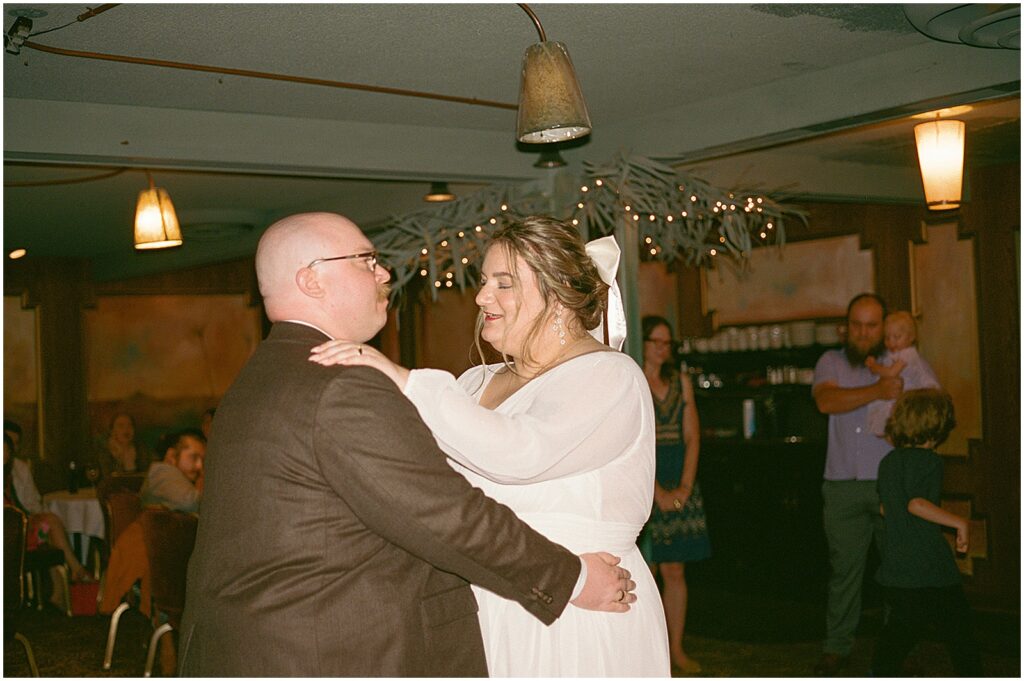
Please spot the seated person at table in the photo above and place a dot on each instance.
(169, 483)
(43, 528)
(172, 482)
(120, 451)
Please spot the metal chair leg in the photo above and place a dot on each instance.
(154, 641)
(62, 570)
(28, 651)
(115, 618)
(33, 583)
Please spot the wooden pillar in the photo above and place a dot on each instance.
(58, 288)
(888, 232)
(992, 472)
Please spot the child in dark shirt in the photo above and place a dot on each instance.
(918, 573)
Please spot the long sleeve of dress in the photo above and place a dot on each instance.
(580, 416)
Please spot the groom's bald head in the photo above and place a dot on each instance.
(340, 297)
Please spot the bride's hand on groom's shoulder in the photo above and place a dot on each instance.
(357, 354)
(608, 587)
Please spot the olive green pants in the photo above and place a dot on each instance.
(852, 521)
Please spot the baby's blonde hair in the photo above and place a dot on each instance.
(903, 317)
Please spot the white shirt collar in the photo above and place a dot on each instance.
(312, 326)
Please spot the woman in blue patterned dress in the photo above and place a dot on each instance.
(677, 530)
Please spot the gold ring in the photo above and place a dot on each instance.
(622, 596)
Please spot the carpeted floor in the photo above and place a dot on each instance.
(73, 647)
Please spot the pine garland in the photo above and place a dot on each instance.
(680, 217)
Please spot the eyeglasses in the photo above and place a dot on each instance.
(659, 343)
(369, 256)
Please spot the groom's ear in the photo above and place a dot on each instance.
(309, 283)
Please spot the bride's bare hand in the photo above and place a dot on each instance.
(357, 354)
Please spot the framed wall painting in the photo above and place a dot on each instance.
(804, 280)
(21, 372)
(165, 358)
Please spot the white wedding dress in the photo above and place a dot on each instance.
(572, 453)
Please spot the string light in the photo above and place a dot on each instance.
(462, 234)
(669, 218)
(684, 213)
(437, 284)
(584, 188)
(652, 218)
(654, 251)
(493, 221)
(763, 235)
(599, 182)
(423, 252)
(478, 228)
(714, 252)
(579, 205)
(769, 225)
(504, 206)
(423, 273)
(575, 222)
(636, 217)
(448, 284)
(465, 261)
(628, 208)
(648, 239)
(693, 198)
(448, 275)
(722, 239)
(444, 244)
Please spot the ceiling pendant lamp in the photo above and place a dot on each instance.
(551, 105)
(940, 151)
(156, 225)
(439, 193)
(550, 158)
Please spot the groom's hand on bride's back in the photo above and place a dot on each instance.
(608, 587)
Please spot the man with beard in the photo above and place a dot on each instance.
(844, 386)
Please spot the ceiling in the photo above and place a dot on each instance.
(814, 99)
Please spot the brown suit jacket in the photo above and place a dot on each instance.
(335, 540)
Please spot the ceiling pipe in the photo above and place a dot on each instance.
(125, 59)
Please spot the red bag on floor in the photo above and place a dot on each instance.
(83, 597)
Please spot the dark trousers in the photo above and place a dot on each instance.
(941, 613)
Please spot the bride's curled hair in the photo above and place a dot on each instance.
(565, 273)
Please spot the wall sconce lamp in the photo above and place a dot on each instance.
(439, 193)
(940, 152)
(551, 106)
(156, 225)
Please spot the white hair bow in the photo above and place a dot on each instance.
(605, 254)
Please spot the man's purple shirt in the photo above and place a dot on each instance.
(853, 451)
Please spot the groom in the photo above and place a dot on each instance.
(335, 538)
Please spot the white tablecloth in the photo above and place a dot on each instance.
(80, 512)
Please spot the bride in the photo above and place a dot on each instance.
(562, 432)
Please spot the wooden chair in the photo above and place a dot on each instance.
(40, 560)
(120, 508)
(115, 483)
(170, 537)
(14, 579)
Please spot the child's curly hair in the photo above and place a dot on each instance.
(920, 417)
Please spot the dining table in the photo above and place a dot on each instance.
(82, 516)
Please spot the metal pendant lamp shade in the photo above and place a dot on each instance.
(156, 224)
(940, 151)
(551, 106)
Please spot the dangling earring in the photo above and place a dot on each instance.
(558, 327)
